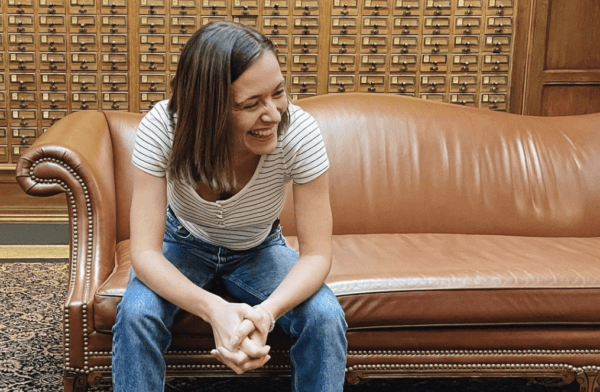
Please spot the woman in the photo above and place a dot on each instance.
(216, 157)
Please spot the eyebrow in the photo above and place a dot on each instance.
(259, 95)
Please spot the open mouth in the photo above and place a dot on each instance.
(262, 134)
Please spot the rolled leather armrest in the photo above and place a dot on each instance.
(76, 157)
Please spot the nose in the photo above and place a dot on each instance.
(271, 114)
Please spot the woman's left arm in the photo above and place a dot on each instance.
(313, 225)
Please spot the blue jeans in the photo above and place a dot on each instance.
(142, 332)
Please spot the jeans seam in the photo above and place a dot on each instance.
(248, 289)
(294, 366)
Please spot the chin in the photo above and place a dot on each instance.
(261, 147)
(264, 150)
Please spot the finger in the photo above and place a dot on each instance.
(240, 368)
(230, 364)
(255, 363)
(236, 357)
(242, 333)
(253, 350)
(215, 353)
(255, 315)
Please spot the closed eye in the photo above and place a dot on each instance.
(250, 106)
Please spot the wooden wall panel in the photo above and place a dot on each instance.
(565, 100)
(17, 206)
(573, 35)
(563, 38)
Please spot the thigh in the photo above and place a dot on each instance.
(187, 254)
(181, 250)
(140, 302)
(256, 277)
(322, 310)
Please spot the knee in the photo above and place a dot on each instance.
(140, 314)
(323, 312)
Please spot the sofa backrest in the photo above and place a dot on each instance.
(122, 129)
(406, 165)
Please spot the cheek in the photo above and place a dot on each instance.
(282, 104)
(242, 124)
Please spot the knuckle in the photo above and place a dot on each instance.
(238, 362)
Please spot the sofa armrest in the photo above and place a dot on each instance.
(76, 157)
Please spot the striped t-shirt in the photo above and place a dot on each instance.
(244, 220)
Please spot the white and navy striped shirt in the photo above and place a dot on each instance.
(244, 220)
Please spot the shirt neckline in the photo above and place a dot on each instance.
(238, 195)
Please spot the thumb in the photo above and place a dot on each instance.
(255, 315)
(245, 328)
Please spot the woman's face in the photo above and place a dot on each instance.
(259, 101)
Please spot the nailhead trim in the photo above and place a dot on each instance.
(222, 367)
(175, 352)
(75, 251)
(180, 353)
(405, 353)
(469, 366)
(108, 368)
(412, 367)
(419, 353)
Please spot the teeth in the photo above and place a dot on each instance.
(260, 133)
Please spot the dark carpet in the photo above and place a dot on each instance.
(31, 295)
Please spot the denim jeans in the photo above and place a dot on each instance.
(142, 332)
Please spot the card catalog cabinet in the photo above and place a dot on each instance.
(62, 56)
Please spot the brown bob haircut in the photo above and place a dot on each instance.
(214, 57)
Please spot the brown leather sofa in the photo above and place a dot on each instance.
(466, 242)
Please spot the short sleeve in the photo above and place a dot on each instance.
(152, 145)
(304, 150)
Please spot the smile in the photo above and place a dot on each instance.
(261, 134)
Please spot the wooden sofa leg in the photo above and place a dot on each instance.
(75, 383)
(589, 379)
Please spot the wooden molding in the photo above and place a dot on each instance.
(18, 207)
(34, 215)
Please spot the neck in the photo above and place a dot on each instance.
(241, 160)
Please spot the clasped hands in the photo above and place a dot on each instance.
(240, 333)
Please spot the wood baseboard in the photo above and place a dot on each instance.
(18, 207)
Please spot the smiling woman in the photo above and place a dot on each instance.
(259, 105)
(237, 71)
(212, 166)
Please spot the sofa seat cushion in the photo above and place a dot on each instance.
(403, 280)
(386, 280)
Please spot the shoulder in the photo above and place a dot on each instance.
(158, 120)
(159, 113)
(298, 115)
(301, 124)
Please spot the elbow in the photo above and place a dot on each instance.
(137, 259)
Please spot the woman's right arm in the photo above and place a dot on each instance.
(147, 220)
(148, 216)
